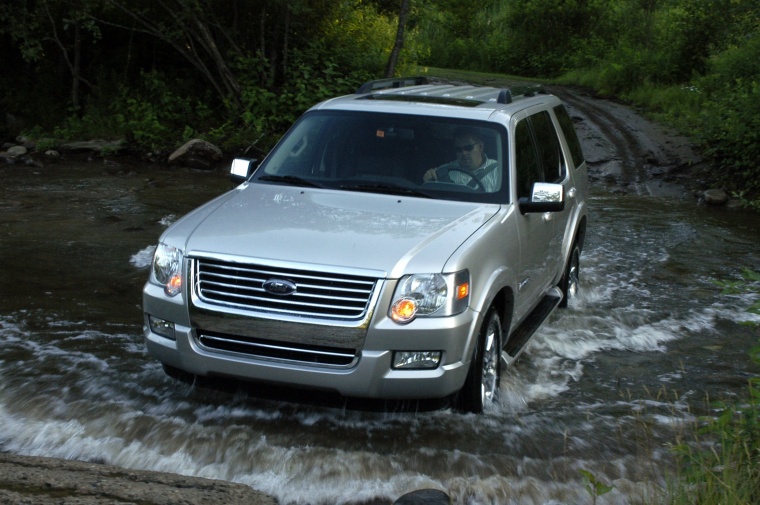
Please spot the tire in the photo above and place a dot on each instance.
(481, 387)
(570, 282)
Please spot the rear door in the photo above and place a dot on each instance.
(538, 158)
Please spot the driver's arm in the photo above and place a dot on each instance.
(430, 175)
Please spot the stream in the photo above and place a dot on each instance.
(606, 387)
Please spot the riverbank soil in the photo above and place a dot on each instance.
(627, 153)
(49, 481)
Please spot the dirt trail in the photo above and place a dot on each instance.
(630, 153)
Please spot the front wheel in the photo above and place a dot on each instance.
(571, 279)
(482, 384)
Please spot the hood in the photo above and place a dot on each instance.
(389, 234)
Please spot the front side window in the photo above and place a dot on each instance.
(420, 156)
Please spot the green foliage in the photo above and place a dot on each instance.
(313, 75)
(147, 116)
(728, 472)
(241, 72)
(695, 64)
(196, 72)
(594, 486)
(730, 135)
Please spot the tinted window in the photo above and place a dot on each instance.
(549, 149)
(528, 166)
(391, 153)
(566, 123)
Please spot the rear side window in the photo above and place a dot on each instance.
(566, 123)
(548, 147)
(528, 166)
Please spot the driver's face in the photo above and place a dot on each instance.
(469, 152)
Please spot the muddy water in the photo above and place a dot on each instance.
(605, 387)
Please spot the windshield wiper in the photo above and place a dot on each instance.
(384, 188)
(290, 179)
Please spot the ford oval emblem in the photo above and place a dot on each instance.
(280, 287)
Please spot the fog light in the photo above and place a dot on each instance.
(416, 360)
(162, 327)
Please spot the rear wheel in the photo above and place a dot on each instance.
(481, 387)
(571, 279)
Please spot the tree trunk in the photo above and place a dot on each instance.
(196, 44)
(393, 58)
(76, 68)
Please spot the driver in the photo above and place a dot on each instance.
(470, 159)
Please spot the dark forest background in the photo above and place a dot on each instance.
(239, 72)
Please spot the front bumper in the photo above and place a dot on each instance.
(368, 375)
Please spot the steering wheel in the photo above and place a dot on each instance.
(471, 175)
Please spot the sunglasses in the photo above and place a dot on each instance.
(466, 148)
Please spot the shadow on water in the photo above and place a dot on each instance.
(262, 393)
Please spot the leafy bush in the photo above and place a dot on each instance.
(729, 123)
(313, 75)
(148, 115)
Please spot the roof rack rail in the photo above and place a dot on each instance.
(400, 82)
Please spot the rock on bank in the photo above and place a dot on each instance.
(49, 481)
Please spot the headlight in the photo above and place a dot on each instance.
(430, 295)
(167, 269)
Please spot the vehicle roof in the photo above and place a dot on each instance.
(418, 96)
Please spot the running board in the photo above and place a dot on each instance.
(530, 325)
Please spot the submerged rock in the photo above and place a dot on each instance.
(715, 197)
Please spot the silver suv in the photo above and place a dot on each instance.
(404, 242)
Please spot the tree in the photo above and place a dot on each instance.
(65, 24)
(399, 44)
(189, 30)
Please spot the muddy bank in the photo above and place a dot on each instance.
(627, 153)
(48, 481)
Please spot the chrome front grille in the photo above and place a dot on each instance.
(312, 294)
(281, 351)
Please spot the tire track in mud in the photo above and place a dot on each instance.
(626, 150)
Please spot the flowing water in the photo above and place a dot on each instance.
(605, 387)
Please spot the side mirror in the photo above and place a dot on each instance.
(242, 169)
(544, 198)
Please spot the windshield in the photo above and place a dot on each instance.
(419, 156)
